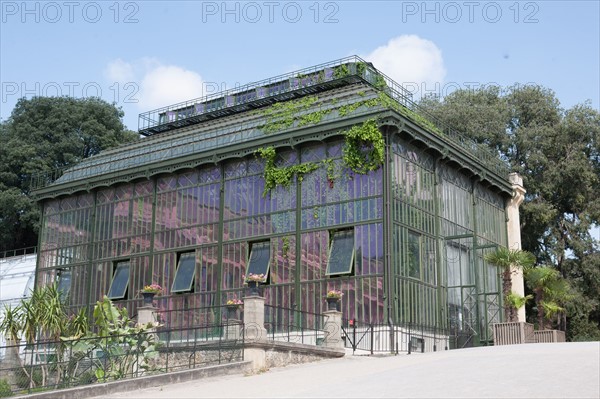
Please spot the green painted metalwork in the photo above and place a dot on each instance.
(420, 223)
(376, 93)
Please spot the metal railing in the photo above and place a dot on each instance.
(369, 338)
(296, 326)
(48, 365)
(18, 252)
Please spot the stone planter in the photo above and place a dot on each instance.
(232, 312)
(148, 298)
(333, 303)
(253, 288)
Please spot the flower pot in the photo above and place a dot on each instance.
(148, 298)
(253, 288)
(232, 312)
(332, 303)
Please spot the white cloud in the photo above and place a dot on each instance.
(169, 84)
(119, 71)
(409, 59)
(158, 85)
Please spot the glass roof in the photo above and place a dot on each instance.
(237, 116)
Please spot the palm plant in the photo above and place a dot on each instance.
(551, 290)
(509, 261)
(517, 301)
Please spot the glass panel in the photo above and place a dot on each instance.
(64, 282)
(414, 255)
(260, 256)
(120, 281)
(341, 256)
(186, 270)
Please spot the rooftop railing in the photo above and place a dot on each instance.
(306, 81)
(258, 94)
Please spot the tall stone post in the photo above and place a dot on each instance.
(333, 329)
(513, 228)
(255, 331)
(146, 314)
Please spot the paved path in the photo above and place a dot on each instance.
(566, 370)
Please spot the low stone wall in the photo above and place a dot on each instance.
(266, 354)
(135, 384)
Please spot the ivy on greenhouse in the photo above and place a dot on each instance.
(364, 149)
(282, 115)
(363, 152)
(281, 176)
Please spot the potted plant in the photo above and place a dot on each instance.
(253, 280)
(148, 293)
(232, 306)
(333, 298)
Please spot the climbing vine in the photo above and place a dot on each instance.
(364, 145)
(282, 115)
(281, 175)
(364, 149)
(285, 248)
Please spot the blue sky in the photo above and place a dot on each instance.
(147, 54)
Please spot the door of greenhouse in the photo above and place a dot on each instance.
(488, 297)
(462, 292)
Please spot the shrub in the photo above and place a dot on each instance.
(5, 390)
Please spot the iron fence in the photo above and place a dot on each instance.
(18, 252)
(369, 338)
(292, 325)
(47, 365)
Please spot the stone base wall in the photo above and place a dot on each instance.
(281, 358)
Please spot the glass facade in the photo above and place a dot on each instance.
(198, 232)
(404, 243)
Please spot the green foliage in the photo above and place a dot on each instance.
(341, 71)
(281, 176)
(364, 148)
(556, 152)
(124, 346)
(552, 293)
(508, 260)
(43, 134)
(11, 324)
(29, 377)
(282, 115)
(360, 68)
(313, 118)
(5, 390)
(517, 301)
(379, 82)
(285, 248)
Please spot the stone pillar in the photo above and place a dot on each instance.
(333, 329)
(146, 314)
(513, 228)
(255, 331)
(254, 319)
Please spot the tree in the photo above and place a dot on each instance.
(557, 152)
(509, 261)
(41, 135)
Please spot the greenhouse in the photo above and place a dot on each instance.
(325, 178)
